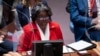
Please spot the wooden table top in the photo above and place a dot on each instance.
(90, 53)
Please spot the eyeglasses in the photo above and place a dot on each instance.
(43, 18)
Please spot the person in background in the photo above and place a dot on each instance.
(7, 13)
(24, 10)
(6, 44)
(85, 17)
(71, 25)
(41, 28)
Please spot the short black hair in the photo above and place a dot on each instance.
(38, 8)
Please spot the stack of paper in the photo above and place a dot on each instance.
(80, 45)
(69, 50)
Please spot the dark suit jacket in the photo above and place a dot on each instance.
(6, 46)
(23, 14)
(81, 20)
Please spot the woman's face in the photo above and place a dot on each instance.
(42, 18)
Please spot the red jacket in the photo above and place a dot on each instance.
(32, 34)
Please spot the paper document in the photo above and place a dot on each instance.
(67, 50)
(80, 45)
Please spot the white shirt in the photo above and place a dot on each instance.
(98, 6)
(47, 32)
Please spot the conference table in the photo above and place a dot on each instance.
(89, 53)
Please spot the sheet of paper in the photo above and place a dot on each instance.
(67, 50)
(79, 45)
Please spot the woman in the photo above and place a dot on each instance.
(24, 10)
(41, 28)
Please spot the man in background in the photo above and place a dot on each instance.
(85, 15)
